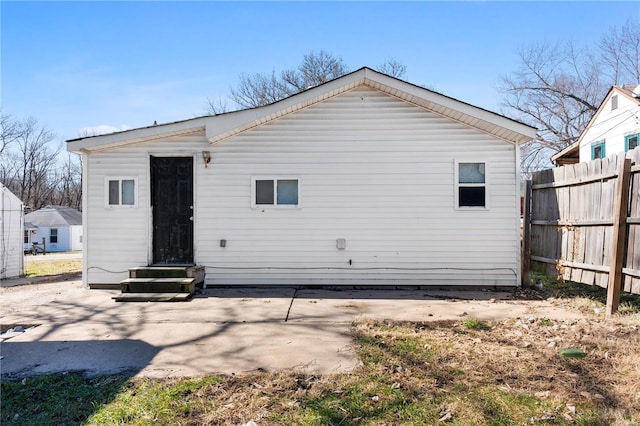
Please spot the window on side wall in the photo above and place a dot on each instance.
(471, 185)
(53, 235)
(631, 142)
(597, 150)
(121, 192)
(275, 192)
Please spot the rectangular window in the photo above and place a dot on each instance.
(597, 150)
(121, 191)
(471, 185)
(26, 237)
(631, 141)
(614, 102)
(275, 192)
(53, 235)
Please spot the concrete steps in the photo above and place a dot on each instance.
(161, 284)
(152, 297)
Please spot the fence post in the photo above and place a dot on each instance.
(526, 236)
(614, 284)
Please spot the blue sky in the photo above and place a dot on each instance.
(75, 65)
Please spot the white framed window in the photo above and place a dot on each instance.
(121, 192)
(53, 235)
(471, 185)
(275, 191)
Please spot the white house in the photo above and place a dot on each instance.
(364, 180)
(11, 220)
(614, 128)
(60, 227)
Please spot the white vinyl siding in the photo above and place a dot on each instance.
(11, 234)
(373, 170)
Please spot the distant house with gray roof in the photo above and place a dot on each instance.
(60, 227)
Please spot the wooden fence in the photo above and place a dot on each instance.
(582, 223)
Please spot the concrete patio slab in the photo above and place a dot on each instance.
(230, 331)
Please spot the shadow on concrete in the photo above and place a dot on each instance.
(122, 356)
(92, 333)
(365, 293)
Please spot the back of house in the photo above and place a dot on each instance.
(364, 180)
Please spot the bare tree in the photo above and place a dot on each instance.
(29, 168)
(558, 88)
(315, 69)
(259, 89)
(217, 106)
(621, 53)
(393, 68)
(68, 191)
(8, 131)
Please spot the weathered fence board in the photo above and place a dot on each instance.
(572, 221)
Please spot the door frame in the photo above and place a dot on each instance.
(150, 205)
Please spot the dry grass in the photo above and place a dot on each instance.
(499, 373)
(466, 372)
(44, 268)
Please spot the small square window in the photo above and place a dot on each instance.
(471, 185)
(53, 235)
(121, 192)
(631, 142)
(275, 192)
(598, 150)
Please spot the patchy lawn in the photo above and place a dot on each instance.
(466, 372)
(44, 268)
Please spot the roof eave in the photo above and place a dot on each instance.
(142, 134)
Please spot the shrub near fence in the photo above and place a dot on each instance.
(577, 230)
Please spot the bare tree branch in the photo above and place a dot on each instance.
(558, 88)
(393, 68)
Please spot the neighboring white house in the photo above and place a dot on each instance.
(363, 180)
(60, 227)
(11, 219)
(614, 128)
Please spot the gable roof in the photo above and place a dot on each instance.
(52, 216)
(570, 155)
(222, 126)
(10, 201)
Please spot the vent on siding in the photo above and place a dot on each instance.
(614, 102)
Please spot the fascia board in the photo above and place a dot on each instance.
(136, 135)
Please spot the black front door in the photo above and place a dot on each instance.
(172, 204)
